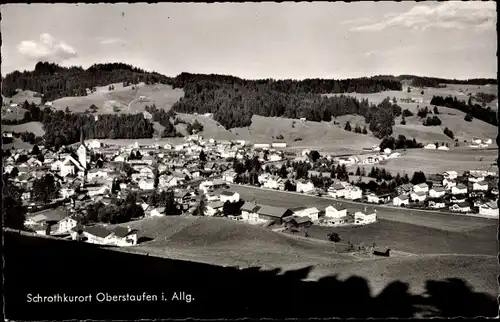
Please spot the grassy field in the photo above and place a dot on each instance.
(35, 127)
(22, 96)
(127, 100)
(224, 242)
(18, 144)
(438, 161)
(445, 222)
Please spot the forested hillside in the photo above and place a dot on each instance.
(418, 81)
(233, 101)
(54, 81)
(485, 114)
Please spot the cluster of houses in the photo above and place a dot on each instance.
(305, 216)
(450, 194)
(478, 143)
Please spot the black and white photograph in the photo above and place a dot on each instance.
(249, 160)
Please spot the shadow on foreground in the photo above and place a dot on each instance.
(47, 266)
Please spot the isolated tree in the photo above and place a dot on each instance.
(314, 156)
(347, 126)
(365, 131)
(334, 237)
(436, 111)
(283, 172)
(203, 157)
(35, 150)
(403, 121)
(422, 92)
(418, 177)
(468, 117)
(201, 208)
(409, 89)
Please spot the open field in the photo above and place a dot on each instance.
(17, 113)
(35, 127)
(18, 144)
(225, 242)
(160, 141)
(313, 134)
(126, 99)
(221, 241)
(439, 161)
(22, 96)
(430, 219)
(449, 90)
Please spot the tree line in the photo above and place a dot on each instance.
(418, 81)
(62, 128)
(485, 114)
(54, 81)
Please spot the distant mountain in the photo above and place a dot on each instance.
(54, 81)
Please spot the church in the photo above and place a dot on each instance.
(70, 166)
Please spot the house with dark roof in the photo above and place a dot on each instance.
(297, 222)
(274, 214)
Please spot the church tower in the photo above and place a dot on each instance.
(82, 151)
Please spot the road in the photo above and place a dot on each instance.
(424, 218)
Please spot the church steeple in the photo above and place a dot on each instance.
(81, 137)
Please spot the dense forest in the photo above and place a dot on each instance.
(419, 81)
(233, 101)
(62, 128)
(316, 86)
(485, 114)
(54, 81)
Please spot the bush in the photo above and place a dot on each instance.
(297, 139)
(407, 113)
(468, 118)
(432, 121)
(403, 122)
(448, 133)
(279, 137)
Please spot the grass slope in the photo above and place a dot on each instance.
(35, 127)
(438, 161)
(126, 99)
(22, 96)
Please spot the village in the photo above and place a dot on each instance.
(198, 174)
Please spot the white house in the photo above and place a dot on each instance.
(375, 148)
(449, 184)
(272, 183)
(489, 209)
(332, 212)
(261, 145)
(229, 176)
(394, 155)
(158, 212)
(66, 224)
(474, 177)
(305, 152)
(311, 212)
(362, 218)
(370, 160)
(488, 141)
(213, 208)
(401, 200)
(437, 192)
(353, 193)
(249, 213)
(96, 173)
(460, 207)
(418, 196)
(275, 157)
(305, 186)
(387, 151)
(459, 189)
(477, 141)
(229, 196)
(67, 192)
(451, 175)
(278, 144)
(94, 144)
(480, 186)
(430, 146)
(147, 184)
(436, 204)
(337, 190)
(421, 187)
(443, 148)
(70, 166)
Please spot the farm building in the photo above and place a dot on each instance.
(305, 186)
(229, 196)
(373, 198)
(335, 212)
(460, 207)
(311, 212)
(489, 209)
(261, 145)
(364, 218)
(278, 144)
(401, 200)
(274, 214)
(430, 146)
(297, 222)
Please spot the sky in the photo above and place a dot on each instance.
(259, 40)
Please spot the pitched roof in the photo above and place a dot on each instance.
(250, 207)
(422, 185)
(216, 204)
(122, 231)
(271, 211)
(438, 189)
(461, 186)
(463, 204)
(97, 231)
(227, 193)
